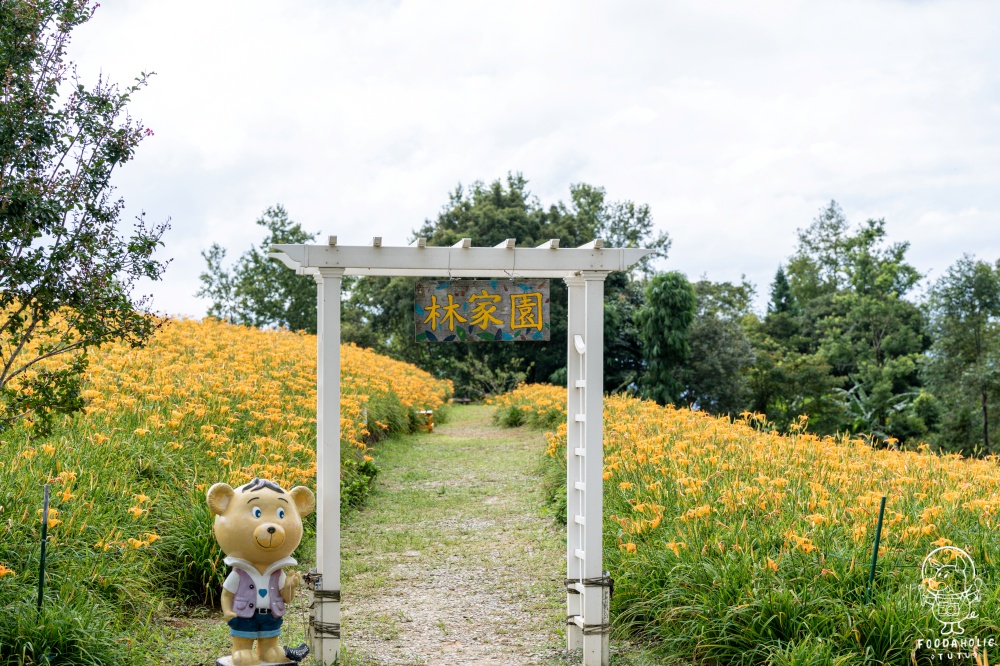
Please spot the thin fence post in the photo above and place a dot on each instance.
(45, 529)
(878, 537)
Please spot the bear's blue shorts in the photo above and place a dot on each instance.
(261, 625)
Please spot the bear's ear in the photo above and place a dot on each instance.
(219, 497)
(304, 500)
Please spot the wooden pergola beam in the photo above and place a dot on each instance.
(457, 261)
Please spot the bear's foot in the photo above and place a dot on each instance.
(268, 650)
(245, 658)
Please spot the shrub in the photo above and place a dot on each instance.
(537, 405)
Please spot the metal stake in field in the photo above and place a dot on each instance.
(41, 561)
(878, 537)
(584, 269)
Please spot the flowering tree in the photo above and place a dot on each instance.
(66, 274)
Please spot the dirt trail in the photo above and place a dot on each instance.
(451, 562)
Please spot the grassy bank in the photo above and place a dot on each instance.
(129, 531)
(729, 544)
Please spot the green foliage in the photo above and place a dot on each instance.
(963, 367)
(486, 381)
(623, 362)
(782, 301)
(258, 291)
(715, 372)
(663, 328)
(619, 224)
(840, 341)
(785, 383)
(190, 562)
(357, 479)
(553, 487)
(72, 633)
(378, 311)
(67, 274)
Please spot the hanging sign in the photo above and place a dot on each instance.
(481, 310)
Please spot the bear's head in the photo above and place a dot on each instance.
(259, 522)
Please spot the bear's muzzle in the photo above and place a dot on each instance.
(269, 535)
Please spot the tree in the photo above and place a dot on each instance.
(715, 374)
(259, 291)
(873, 336)
(840, 308)
(785, 384)
(663, 328)
(963, 369)
(818, 267)
(623, 361)
(782, 301)
(66, 275)
(619, 224)
(489, 214)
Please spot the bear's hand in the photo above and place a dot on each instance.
(292, 581)
(227, 605)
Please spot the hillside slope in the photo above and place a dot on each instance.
(129, 530)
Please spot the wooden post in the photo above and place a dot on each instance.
(575, 384)
(595, 596)
(324, 620)
(587, 588)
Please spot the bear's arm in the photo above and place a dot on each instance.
(227, 604)
(288, 585)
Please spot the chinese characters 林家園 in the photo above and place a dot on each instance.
(482, 310)
(525, 311)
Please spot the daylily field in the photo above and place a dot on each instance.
(130, 534)
(731, 544)
(728, 543)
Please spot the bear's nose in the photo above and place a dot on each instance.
(271, 530)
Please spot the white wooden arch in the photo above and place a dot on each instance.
(584, 270)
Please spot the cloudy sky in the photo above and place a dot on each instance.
(735, 121)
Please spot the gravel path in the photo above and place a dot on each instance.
(451, 561)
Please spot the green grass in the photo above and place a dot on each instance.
(433, 494)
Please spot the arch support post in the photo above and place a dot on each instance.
(324, 614)
(587, 585)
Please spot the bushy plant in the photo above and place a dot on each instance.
(357, 479)
(190, 562)
(537, 405)
(68, 633)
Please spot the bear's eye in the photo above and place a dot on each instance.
(256, 512)
(281, 513)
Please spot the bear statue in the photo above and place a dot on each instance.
(258, 525)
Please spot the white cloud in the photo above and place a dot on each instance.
(735, 121)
